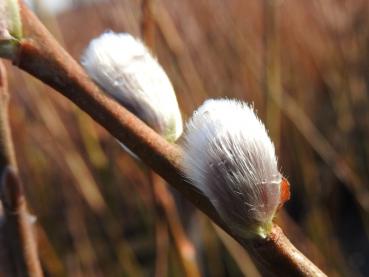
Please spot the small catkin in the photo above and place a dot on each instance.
(10, 22)
(229, 156)
(125, 69)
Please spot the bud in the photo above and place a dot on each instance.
(229, 156)
(124, 68)
(10, 27)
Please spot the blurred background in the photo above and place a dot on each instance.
(304, 66)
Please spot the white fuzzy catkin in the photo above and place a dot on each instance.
(229, 156)
(124, 68)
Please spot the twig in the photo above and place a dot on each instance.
(18, 230)
(7, 156)
(40, 55)
(280, 257)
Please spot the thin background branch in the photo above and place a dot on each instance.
(19, 233)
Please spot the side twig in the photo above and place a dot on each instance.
(18, 231)
(7, 155)
(40, 55)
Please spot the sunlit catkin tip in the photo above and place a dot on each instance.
(10, 28)
(124, 68)
(229, 156)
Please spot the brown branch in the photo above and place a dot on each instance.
(19, 235)
(19, 231)
(40, 55)
(7, 156)
(280, 257)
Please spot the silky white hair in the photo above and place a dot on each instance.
(124, 68)
(229, 156)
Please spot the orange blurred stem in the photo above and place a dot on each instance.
(40, 55)
(161, 231)
(162, 246)
(184, 247)
(148, 22)
(165, 204)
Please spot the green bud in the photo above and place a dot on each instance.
(10, 28)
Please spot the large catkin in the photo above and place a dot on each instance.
(229, 156)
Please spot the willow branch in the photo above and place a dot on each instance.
(40, 55)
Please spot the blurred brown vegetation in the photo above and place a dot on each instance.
(304, 65)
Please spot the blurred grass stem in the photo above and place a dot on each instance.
(184, 247)
(165, 202)
(148, 22)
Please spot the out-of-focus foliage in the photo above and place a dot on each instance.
(304, 65)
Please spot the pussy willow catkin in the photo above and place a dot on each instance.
(229, 156)
(10, 28)
(124, 68)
